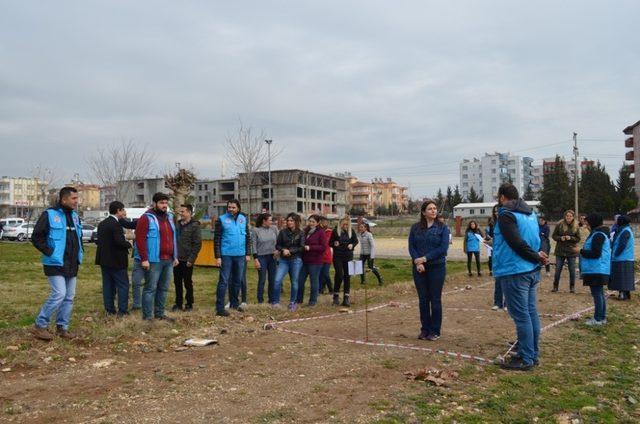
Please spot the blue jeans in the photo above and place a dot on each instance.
(291, 267)
(60, 299)
(313, 271)
(521, 294)
(571, 264)
(429, 286)
(498, 296)
(115, 281)
(156, 288)
(137, 274)
(325, 278)
(268, 267)
(600, 303)
(231, 275)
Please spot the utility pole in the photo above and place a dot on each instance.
(576, 172)
(269, 160)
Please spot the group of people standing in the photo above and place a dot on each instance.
(294, 251)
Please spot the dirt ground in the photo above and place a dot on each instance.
(268, 375)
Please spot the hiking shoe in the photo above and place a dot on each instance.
(223, 313)
(275, 305)
(293, 306)
(495, 308)
(479, 274)
(423, 335)
(65, 334)
(593, 322)
(188, 308)
(470, 275)
(336, 299)
(516, 364)
(345, 301)
(572, 291)
(241, 308)
(536, 362)
(166, 318)
(41, 333)
(176, 308)
(433, 337)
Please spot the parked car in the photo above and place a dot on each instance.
(354, 222)
(11, 222)
(87, 232)
(94, 236)
(21, 232)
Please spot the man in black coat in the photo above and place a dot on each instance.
(113, 257)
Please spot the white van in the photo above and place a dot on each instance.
(12, 222)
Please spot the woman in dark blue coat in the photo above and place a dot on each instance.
(428, 246)
(622, 260)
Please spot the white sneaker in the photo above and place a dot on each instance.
(494, 308)
(243, 305)
(592, 322)
(227, 305)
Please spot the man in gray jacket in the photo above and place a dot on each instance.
(189, 244)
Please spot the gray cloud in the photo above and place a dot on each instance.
(401, 89)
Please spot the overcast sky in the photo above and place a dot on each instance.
(390, 89)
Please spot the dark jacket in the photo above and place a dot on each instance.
(511, 234)
(189, 241)
(431, 243)
(568, 248)
(597, 242)
(545, 244)
(317, 242)
(39, 240)
(293, 241)
(342, 251)
(113, 249)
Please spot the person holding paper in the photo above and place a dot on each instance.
(428, 246)
(343, 241)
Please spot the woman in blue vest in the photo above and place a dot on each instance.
(471, 245)
(622, 260)
(595, 266)
(428, 246)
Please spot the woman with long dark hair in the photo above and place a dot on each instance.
(471, 245)
(314, 246)
(290, 245)
(343, 241)
(428, 246)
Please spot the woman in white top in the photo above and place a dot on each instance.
(367, 251)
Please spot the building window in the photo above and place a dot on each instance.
(472, 212)
(464, 168)
(200, 199)
(206, 198)
(206, 187)
(300, 193)
(199, 187)
(481, 211)
(313, 194)
(300, 207)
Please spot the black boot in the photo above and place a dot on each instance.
(555, 288)
(572, 288)
(336, 299)
(345, 301)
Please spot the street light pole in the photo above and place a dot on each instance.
(576, 171)
(269, 160)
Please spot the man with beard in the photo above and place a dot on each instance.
(157, 250)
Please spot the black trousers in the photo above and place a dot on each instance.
(182, 275)
(341, 267)
(369, 261)
(469, 256)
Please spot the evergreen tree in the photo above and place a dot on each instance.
(555, 197)
(440, 200)
(457, 197)
(448, 207)
(625, 192)
(473, 196)
(529, 194)
(597, 192)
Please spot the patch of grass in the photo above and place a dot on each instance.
(277, 415)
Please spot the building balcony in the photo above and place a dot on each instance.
(628, 142)
(629, 155)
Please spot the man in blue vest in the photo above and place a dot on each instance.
(157, 250)
(516, 266)
(58, 235)
(231, 240)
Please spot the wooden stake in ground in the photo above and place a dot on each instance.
(366, 313)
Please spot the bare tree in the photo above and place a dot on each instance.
(181, 183)
(120, 162)
(248, 153)
(46, 179)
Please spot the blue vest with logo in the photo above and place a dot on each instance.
(234, 233)
(505, 260)
(57, 237)
(153, 238)
(601, 265)
(473, 244)
(627, 253)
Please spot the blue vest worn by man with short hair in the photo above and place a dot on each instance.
(627, 253)
(57, 237)
(505, 260)
(601, 265)
(153, 238)
(234, 233)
